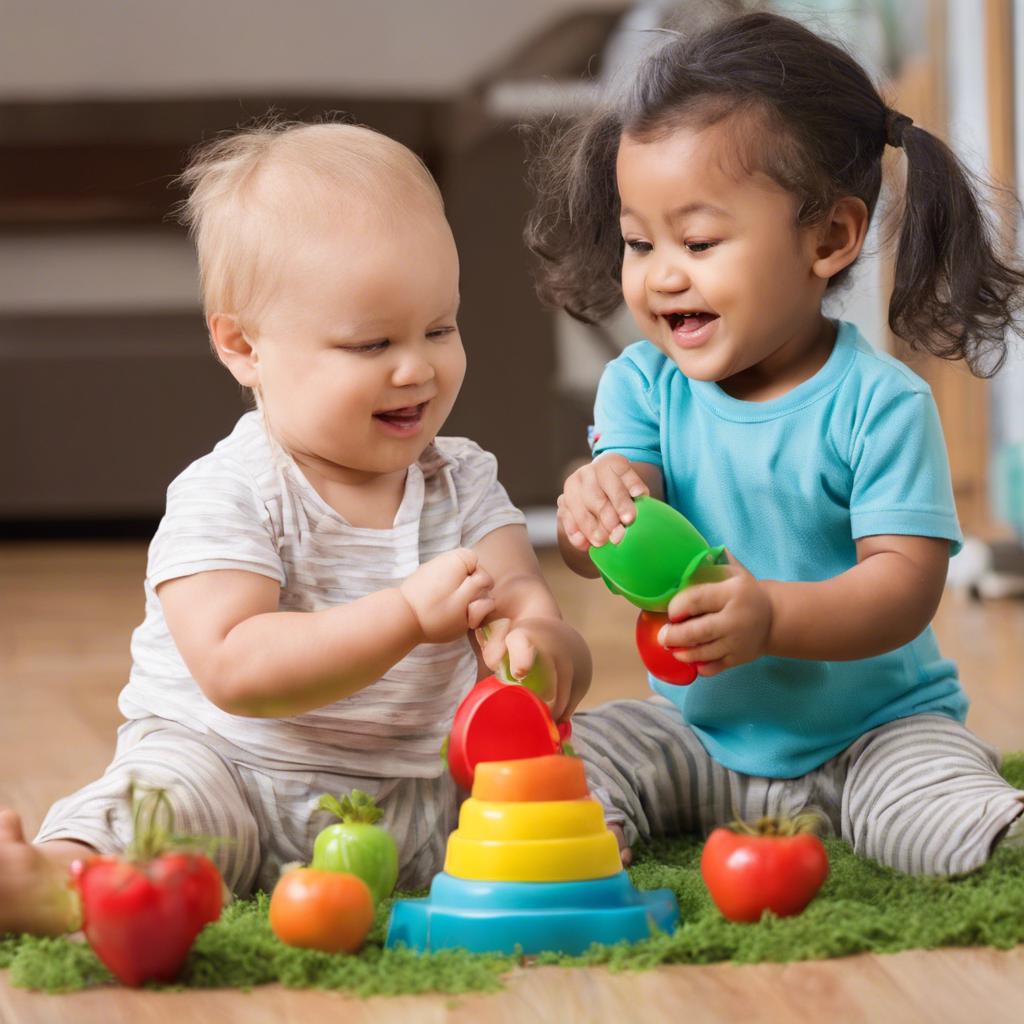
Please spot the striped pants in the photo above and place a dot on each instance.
(920, 794)
(268, 814)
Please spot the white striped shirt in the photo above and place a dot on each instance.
(246, 505)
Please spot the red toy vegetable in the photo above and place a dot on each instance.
(658, 660)
(142, 913)
(774, 864)
(500, 722)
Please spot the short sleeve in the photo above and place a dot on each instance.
(215, 519)
(484, 505)
(625, 420)
(901, 482)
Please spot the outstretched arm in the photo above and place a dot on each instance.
(251, 659)
(883, 602)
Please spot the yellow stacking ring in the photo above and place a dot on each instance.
(549, 819)
(533, 860)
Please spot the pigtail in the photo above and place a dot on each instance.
(953, 295)
(573, 228)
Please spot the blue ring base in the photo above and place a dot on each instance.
(535, 917)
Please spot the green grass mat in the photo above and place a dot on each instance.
(863, 907)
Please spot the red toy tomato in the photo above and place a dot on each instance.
(141, 913)
(772, 865)
(499, 721)
(327, 910)
(658, 660)
(142, 918)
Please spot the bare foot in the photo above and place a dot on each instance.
(624, 851)
(34, 893)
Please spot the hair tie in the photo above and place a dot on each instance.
(896, 125)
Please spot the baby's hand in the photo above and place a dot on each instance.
(596, 503)
(449, 595)
(549, 650)
(720, 624)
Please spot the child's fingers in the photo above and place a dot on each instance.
(619, 493)
(521, 653)
(570, 527)
(699, 600)
(704, 653)
(693, 632)
(477, 611)
(595, 514)
(491, 639)
(587, 523)
(616, 506)
(634, 483)
(468, 557)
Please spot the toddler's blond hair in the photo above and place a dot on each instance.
(243, 188)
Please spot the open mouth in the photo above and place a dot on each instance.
(691, 329)
(688, 323)
(405, 420)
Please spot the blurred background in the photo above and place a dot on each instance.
(107, 385)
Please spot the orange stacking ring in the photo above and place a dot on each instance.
(551, 777)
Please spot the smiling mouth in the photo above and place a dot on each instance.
(687, 323)
(406, 418)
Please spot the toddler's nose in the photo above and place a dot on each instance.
(667, 275)
(412, 368)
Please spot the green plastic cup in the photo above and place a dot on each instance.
(658, 556)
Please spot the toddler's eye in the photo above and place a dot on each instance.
(700, 246)
(440, 332)
(638, 246)
(370, 346)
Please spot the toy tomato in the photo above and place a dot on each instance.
(142, 913)
(499, 721)
(356, 844)
(658, 660)
(327, 910)
(775, 865)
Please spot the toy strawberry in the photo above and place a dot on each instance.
(141, 912)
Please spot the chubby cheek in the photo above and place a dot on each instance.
(634, 293)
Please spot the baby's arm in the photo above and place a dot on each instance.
(527, 621)
(883, 602)
(596, 504)
(251, 659)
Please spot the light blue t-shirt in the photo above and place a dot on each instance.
(788, 485)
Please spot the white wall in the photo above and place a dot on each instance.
(56, 49)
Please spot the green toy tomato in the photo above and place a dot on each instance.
(356, 844)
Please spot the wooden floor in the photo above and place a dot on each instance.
(66, 614)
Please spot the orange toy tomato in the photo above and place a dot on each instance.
(327, 910)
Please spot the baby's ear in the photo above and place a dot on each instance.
(841, 237)
(233, 348)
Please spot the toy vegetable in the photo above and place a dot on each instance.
(499, 721)
(772, 864)
(357, 844)
(142, 912)
(327, 910)
(658, 660)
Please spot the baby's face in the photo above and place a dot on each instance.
(720, 246)
(358, 354)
